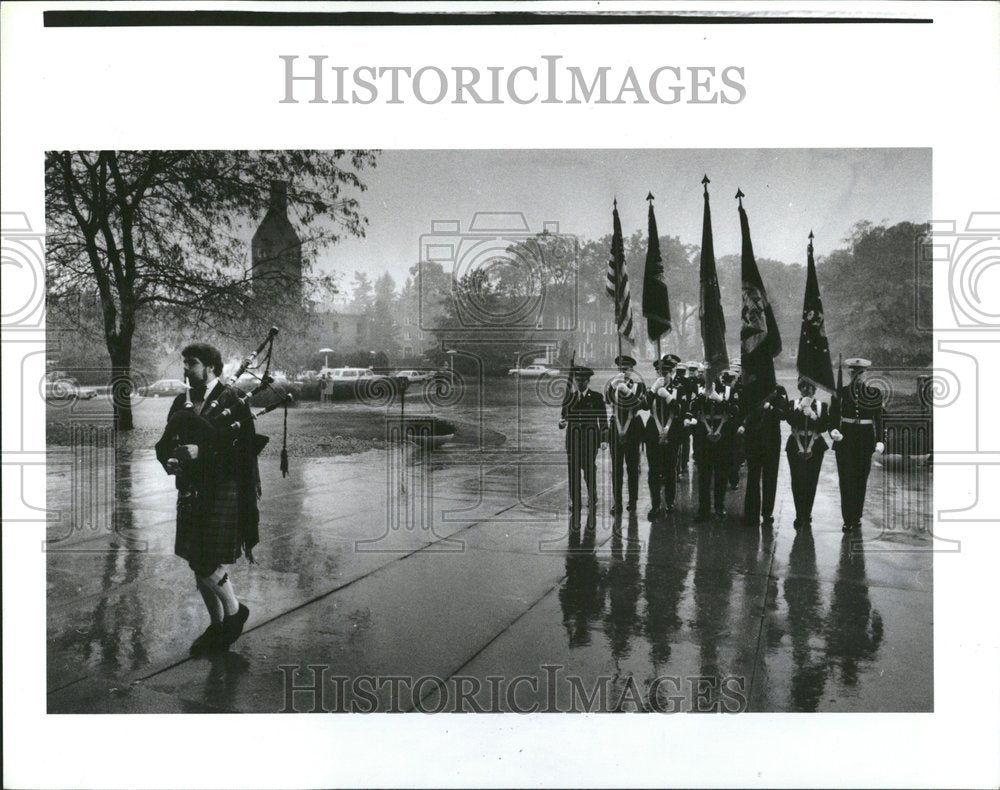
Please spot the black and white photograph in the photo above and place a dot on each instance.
(449, 395)
(373, 444)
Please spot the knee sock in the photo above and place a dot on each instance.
(212, 601)
(219, 582)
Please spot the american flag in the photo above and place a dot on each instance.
(617, 286)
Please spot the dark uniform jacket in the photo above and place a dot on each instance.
(625, 406)
(585, 414)
(760, 422)
(806, 430)
(857, 413)
(667, 414)
(224, 476)
(715, 418)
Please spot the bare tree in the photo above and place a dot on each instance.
(148, 228)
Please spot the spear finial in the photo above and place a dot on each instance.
(740, 196)
(650, 196)
(706, 182)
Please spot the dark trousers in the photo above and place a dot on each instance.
(683, 452)
(581, 459)
(854, 462)
(763, 453)
(713, 477)
(661, 472)
(805, 477)
(625, 450)
(738, 458)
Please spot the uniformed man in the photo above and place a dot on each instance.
(690, 389)
(805, 448)
(734, 390)
(856, 417)
(585, 420)
(667, 405)
(626, 395)
(714, 421)
(761, 431)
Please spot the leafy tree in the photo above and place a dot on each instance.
(146, 228)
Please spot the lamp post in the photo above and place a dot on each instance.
(326, 356)
(451, 365)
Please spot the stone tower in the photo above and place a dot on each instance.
(276, 252)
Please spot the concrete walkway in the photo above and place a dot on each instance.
(453, 581)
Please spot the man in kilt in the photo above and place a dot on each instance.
(211, 447)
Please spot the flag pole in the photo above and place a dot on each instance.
(618, 292)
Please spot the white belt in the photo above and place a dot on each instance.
(854, 421)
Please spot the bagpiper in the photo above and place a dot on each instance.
(856, 415)
(584, 417)
(808, 419)
(626, 395)
(667, 405)
(714, 421)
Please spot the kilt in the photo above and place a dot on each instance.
(208, 526)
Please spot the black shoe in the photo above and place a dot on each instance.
(208, 642)
(232, 627)
(851, 527)
(653, 513)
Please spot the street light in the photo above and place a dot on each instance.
(451, 365)
(326, 356)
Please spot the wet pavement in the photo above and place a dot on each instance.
(406, 579)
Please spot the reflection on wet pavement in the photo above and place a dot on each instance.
(464, 567)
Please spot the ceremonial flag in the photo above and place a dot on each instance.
(713, 322)
(813, 360)
(760, 341)
(617, 286)
(655, 299)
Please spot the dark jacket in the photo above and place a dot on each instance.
(227, 460)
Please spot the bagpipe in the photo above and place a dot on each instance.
(223, 420)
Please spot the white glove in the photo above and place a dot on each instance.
(623, 388)
(690, 421)
(664, 393)
(767, 407)
(741, 430)
(562, 424)
(836, 435)
(879, 448)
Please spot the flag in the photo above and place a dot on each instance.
(813, 360)
(760, 341)
(617, 286)
(655, 299)
(713, 322)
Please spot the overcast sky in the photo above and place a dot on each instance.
(788, 192)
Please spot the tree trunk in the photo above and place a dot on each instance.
(121, 385)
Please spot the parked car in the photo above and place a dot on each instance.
(533, 371)
(349, 375)
(65, 388)
(415, 375)
(165, 388)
